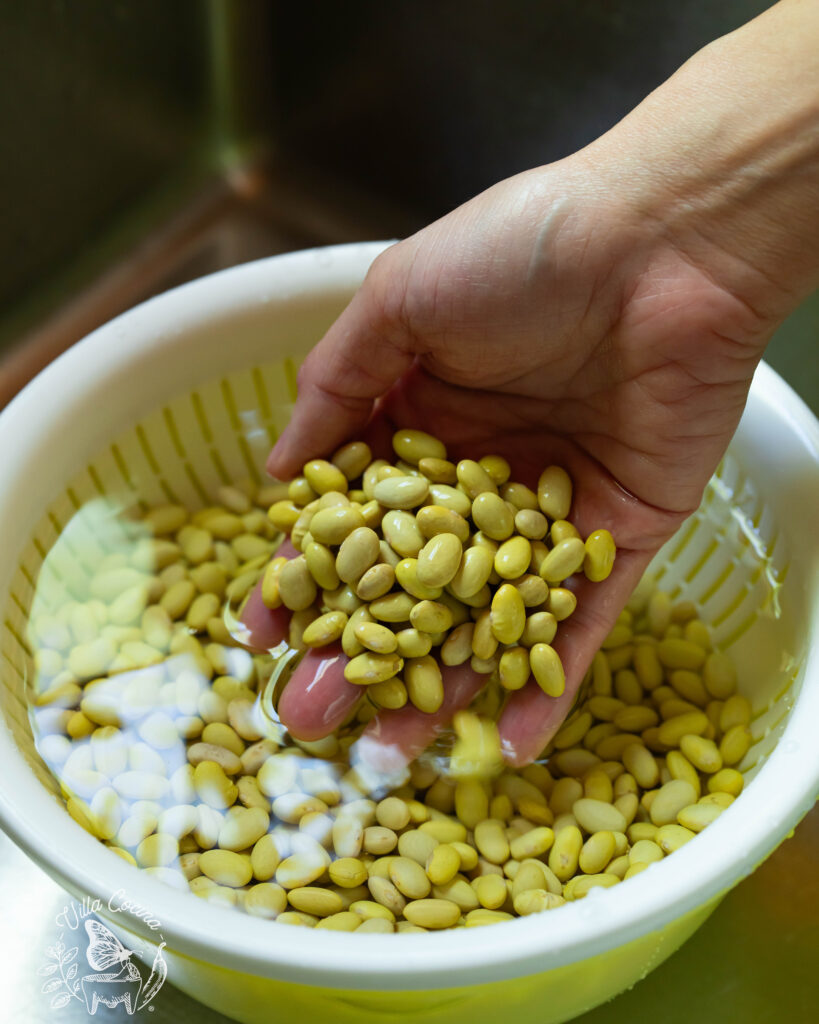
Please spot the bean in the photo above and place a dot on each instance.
(547, 669)
(473, 573)
(493, 516)
(540, 628)
(554, 492)
(438, 471)
(352, 459)
(406, 574)
(332, 525)
(376, 582)
(561, 603)
(326, 629)
(266, 900)
(491, 841)
(676, 653)
(401, 492)
(512, 558)
(430, 617)
(439, 560)
(702, 753)
(565, 558)
(358, 552)
(735, 744)
(513, 668)
(226, 868)
(432, 913)
(324, 477)
(422, 678)
(565, 853)
(212, 785)
(670, 800)
(372, 668)
(508, 615)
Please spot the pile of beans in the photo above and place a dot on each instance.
(398, 560)
(151, 718)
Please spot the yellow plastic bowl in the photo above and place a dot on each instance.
(188, 390)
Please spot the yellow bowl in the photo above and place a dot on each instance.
(188, 391)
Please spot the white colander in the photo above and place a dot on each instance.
(187, 392)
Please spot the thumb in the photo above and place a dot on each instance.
(357, 361)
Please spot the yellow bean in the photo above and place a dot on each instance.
(315, 900)
(600, 554)
(554, 492)
(508, 615)
(669, 801)
(324, 477)
(547, 669)
(359, 551)
(512, 558)
(474, 478)
(322, 565)
(491, 841)
(676, 653)
(406, 574)
(719, 675)
(473, 573)
(414, 445)
(728, 780)
(563, 560)
(432, 913)
(493, 516)
(332, 525)
(375, 637)
(702, 753)
(561, 603)
(412, 643)
(372, 668)
(513, 669)
(672, 731)
(352, 459)
(532, 524)
(425, 688)
(326, 629)
(297, 588)
(376, 582)
(565, 852)
(438, 471)
(497, 467)
(394, 608)
(430, 617)
(401, 492)
(226, 868)
(540, 628)
(735, 744)
(439, 560)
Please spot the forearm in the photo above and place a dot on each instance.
(724, 156)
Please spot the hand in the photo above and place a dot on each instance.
(603, 313)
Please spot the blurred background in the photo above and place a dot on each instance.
(149, 142)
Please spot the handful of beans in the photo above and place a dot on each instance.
(397, 560)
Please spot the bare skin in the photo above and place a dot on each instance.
(605, 313)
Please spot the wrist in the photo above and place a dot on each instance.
(724, 159)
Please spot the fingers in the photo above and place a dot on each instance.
(531, 718)
(395, 738)
(264, 627)
(361, 356)
(317, 698)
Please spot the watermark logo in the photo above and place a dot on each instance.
(117, 976)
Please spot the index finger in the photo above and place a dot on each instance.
(357, 361)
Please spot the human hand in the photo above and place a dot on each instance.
(566, 317)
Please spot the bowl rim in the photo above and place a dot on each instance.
(701, 871)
